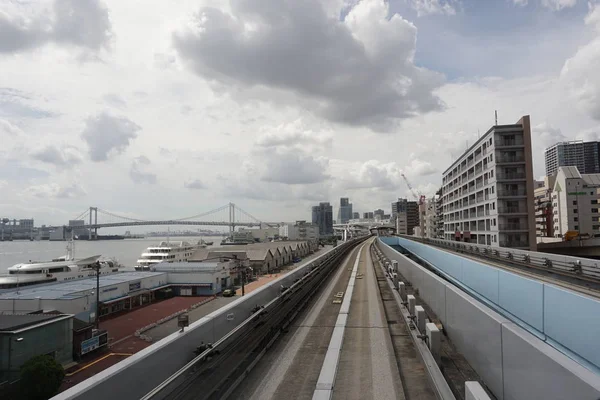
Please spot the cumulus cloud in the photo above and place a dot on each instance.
(61, 157)
(139, 171)
(557, 5)
(194, 184)
(295, 136)
(426, 7)
(580, 72)
(107, 135)
(9, 129)
(293, 168)
(358, 71)
(56, 191)
(521, 3)
(84, 24)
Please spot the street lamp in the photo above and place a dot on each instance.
(96, 267)
(578, 211)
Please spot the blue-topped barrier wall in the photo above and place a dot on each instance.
(513, 362)
(564, 319)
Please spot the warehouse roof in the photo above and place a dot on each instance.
(13, 322)
(74, 289)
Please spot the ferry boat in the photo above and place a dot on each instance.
(166, 251)
(65, 268)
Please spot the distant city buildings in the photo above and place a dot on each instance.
(322, 216)
(355, 215)
(583, 155)
(406, 215)
(301, 230)
(378, 214)
(488, 193)
(368, 215)
(345, 211)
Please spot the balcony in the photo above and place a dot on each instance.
(510, 159)
(516, 226)
(479, 185)
(510, 176)
(479, 199)
(480, 213)
(503, 142)
(472, 189)
(511, 193)
(512, 210)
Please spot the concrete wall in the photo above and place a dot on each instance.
(512, 362)
(158, 362)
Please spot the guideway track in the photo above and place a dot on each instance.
(216, 372)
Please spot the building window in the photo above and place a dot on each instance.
(576, 227)
(491, 176)
(595, 201)
(594, 210)
(575, 210)
(574, 202)
(591, 193)
(594, 219)
(575, 219)
(596, 227)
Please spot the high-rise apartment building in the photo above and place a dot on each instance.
(378, 214)
(368, 215)
(412, 216)
(583, 155)
(322, 216)
(406, 214)
(301, 230)
(345, 211)
(487, 193)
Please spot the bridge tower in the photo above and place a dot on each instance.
(94, 211)
(231, 219)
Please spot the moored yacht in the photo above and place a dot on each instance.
(61, 269)
(165, 252)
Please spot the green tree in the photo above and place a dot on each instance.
(41, 378)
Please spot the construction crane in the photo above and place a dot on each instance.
(417, 195)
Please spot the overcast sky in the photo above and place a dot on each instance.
(166, 109)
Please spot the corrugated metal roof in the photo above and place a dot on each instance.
(13, 322)
(74, 289)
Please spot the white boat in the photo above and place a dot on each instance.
(166, 252)
(62, 269)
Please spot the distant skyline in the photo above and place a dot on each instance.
(169, 109)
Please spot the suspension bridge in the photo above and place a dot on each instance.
(229, 215)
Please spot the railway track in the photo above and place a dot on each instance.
(216, 372)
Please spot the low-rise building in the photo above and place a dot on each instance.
(24, 336)
(544, 212)
(301, 230)
(575, 202)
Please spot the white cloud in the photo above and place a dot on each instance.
(56, 191)
(9, 129)
(64, 156)
(557, 5)
(107, 135)
(194, 184)
(139, 171)
(426, 7)
(580, 72)
(84, 24)
(359, 71)
(521, 3)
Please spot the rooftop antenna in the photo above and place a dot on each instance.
(496, 115)
(478, 133)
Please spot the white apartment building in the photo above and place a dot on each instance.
(487, 193)
(429, 216)
(575, 202)
(301, 230)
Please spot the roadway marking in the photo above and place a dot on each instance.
(325, 383)
(97, 361)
